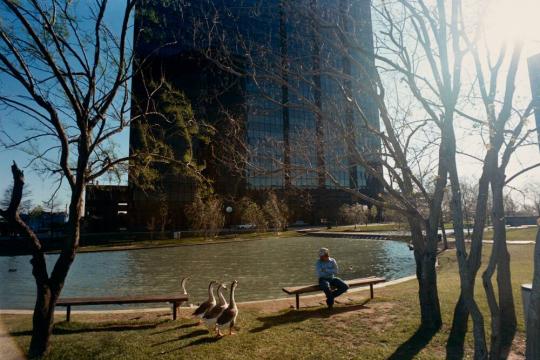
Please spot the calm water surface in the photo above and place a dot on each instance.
(262, 268)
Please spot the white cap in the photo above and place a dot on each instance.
(323, 252)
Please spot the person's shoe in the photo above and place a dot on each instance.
(330, 303)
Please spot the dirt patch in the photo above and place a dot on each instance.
(8, 348)
(518, 348)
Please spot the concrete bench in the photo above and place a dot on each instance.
(174, 299)
(298, 290)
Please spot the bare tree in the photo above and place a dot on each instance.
(74, 81)
(354, 214)
(26, 202)
(252, 214)
(276, 212)
(206, 214)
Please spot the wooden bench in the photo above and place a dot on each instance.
(297, 290)
(174, 299)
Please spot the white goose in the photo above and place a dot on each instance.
(208, 304)
(228, 317)
(213, 314)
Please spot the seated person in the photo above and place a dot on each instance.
(327, 269)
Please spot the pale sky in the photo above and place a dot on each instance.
(509, 20)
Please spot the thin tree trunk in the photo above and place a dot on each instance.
(504, 322)
(456, 340)
(426, 275)
(427, 290)
(443, 231)
(49, 288)
(533, 315)
(42, 321)
(466, 303)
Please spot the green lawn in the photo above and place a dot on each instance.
(515, 234)
(361, 330)
(369, 227)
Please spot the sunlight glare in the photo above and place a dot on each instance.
(512, 20)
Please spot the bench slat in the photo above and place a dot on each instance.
(134, 299)
(352, 283)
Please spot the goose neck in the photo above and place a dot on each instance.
(222, 299)
(211, 293)
(233, 302)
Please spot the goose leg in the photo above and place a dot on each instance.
(231, 328)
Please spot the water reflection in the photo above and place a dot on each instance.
(262, 268)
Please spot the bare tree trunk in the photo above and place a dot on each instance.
(466, 277)
(533, 315)
(426, 275)
(49, 288)
(456, 339)
(503, 324)
(445, 239)
(427, 290)
(42, 321)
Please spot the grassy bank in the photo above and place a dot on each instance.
(195, 240)
(516, 234)
(377, 329)
(369, 227)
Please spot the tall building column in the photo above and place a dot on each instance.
(350, 128)
(317, 95)
(285, 93)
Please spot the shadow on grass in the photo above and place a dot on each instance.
(183, 337)
(185, 326)
(296, 316)
(60, 330)
(410, 348)
(201, 341)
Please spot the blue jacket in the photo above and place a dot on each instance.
(326, 269)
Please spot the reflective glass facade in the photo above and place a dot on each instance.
(295, 92)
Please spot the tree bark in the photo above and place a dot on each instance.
(443, 231)
(42, 321)
(426, 274)
(427, 290)
(504, 322)
(456, 340)
(467, 271)
(533, 315)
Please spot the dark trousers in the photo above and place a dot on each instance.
(338, 285)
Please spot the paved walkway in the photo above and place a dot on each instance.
(8, 349)
(508, 242)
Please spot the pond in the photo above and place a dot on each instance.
(262, 267)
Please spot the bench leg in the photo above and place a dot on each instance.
(174, 310)
(68, 313)
(371, 290)
(297, 301)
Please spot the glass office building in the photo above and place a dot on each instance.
(276, 67)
